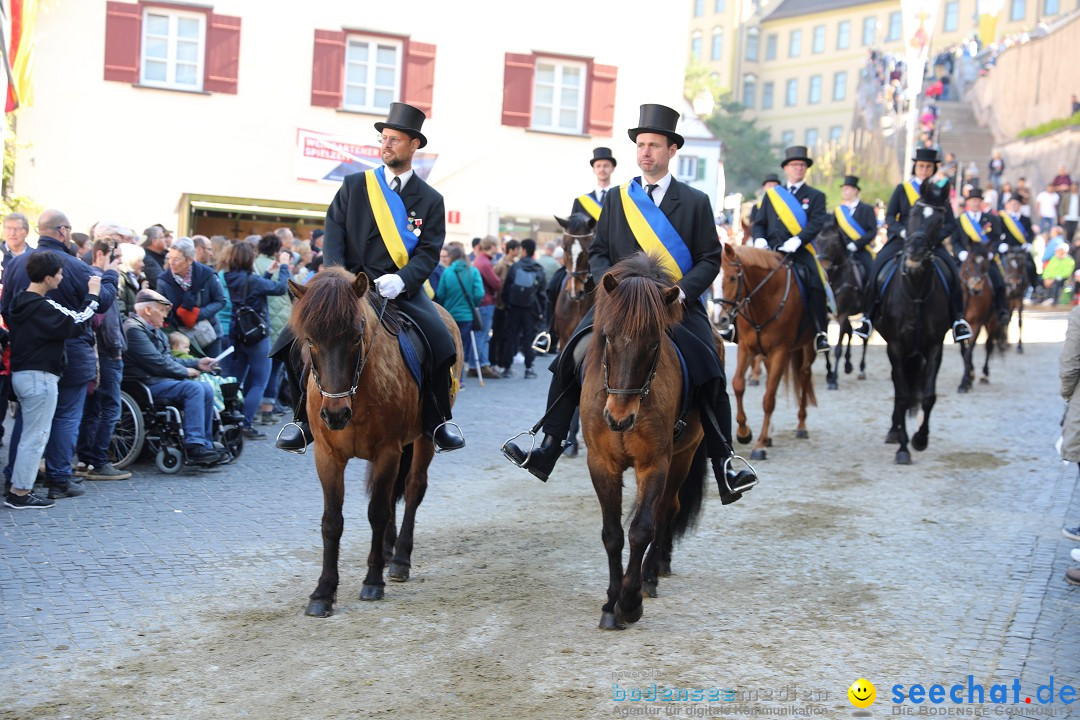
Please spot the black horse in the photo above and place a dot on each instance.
(847, 280)
(914, 318)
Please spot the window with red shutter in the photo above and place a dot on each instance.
(222, 54)
(518, 89)
(123, 28)
(327, 68)
(418, 78)
(601, 117)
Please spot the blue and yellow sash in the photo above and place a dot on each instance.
(973, 230)
(390, 217)
(653, 231)
(911, 187)
(790, 212)
(591, 206)
(845, 220)
(1015, 229)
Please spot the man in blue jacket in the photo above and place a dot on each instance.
(54, 231)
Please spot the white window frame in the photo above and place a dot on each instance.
(817, 137)
(372, 41)
(819, 32)
(560, 64)
(791, 92)
(688, 167)
(815, 81)
(950, 22)
(836, 133)
(795, 43)
(869, 23)
(787, 138)
(838, 85)
(717, 34)
(895, 22)
(843, 40)
(771, 95)
(170, 60)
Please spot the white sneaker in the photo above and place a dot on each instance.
(1076, 554)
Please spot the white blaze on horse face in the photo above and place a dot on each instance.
(927, 212)
(575, 253)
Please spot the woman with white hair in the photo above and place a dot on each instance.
(195, 294)
(131, 277)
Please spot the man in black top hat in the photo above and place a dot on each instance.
(769, 230)
(976, 228)
(354, 241)
(853, 216)
(689, 213)
(771, 180)
(905, 195)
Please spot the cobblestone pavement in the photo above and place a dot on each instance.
(182, 596)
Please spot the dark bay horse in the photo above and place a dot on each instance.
(847, 282)
(630, 401)
(763, 300)
(980, 314)
(1016, 281)
(574, 298)
(913, 321)
(367, 406)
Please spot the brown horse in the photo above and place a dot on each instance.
(630, 402)
(369, 407)
(574, 298)
(979, 312)
(1016, 281)
(760, 290)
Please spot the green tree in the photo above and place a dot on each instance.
(9, 201)
(748, 151)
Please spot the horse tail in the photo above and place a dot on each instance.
(403, 472)
(792, 377)
(691, 493)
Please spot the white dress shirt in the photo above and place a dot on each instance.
(660, 191)
(404, 177)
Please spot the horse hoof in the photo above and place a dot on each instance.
(833, 385)
(862, 376)
(753, 383)
(745, 439)
(802, 434)
(757, 455)
(648, 589)
(984, 381)
(371, 592)
(903, 457)
(962, 389)
(629, 617)
(398, 572)
(609, 622)
(892, 437)
(319, 608)
(848, 368)
(919, 441)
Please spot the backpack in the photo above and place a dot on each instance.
(249, 327)
(526, 282)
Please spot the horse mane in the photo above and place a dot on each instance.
(637, 304)
(329, 308)
(752, 257)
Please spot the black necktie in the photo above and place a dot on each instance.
(396, 185)
(603, 194)
(649, 190)
(792, 189)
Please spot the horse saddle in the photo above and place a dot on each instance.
(888, 270)
(413, 345)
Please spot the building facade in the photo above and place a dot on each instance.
(238, 117)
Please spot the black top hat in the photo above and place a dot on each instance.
(657, 119)
(975, 192)
(926, 155)
(405, 118)
(771, 177)
(602, 153)
(852, 180)
(797, 152)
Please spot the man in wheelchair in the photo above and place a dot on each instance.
(148, 359)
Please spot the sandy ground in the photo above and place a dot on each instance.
(839, 565)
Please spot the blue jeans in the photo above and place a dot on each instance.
(37, 393)
(250, 366)
(465, 328)
(483, 337)
(196, 401)
(273, 384)
(65, 432)
(101, 413)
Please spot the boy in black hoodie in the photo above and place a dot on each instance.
(39, 326)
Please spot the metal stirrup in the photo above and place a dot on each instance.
(741, 488)
(532, 446)
(542, 342)
(296, 425)
(440, 426)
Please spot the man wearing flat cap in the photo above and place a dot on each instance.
(791, 216)
(398, 252)
(680, 229)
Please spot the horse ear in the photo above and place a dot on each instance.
(297, 290)
(360, 285)
(610, 283)
(671, 295)
(563, 222)
(729, 250)
(592, 223)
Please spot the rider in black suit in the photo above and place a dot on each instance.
(994, 230)
(690, 214)
(863, 214)
(353, 241)
(769, 231)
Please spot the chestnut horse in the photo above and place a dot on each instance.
(1016, 282)
(363, 403)
(574, 298)
(979, 312)
(765, 303)
(630, 402)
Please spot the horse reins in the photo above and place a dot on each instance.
(740, 307)
(643, 391)
(361, 360)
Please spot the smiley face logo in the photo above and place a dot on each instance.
(862, 693)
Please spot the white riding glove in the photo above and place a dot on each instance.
(962, 255)
(761, 243)
(1003, 248)
(390, 286)
(1026, 247)
(851, 247)
(791, 245)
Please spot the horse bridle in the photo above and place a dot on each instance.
(577, 274)
(643, 391)
(361, 360)
(738, 307)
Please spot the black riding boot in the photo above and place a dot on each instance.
(716, 424)
(437, 415)
(821, 320)
(563, 397)
(296, 436)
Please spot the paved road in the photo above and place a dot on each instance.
(181, 596)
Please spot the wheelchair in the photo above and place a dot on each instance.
(154, 428)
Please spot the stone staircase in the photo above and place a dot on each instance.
(960, 134)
